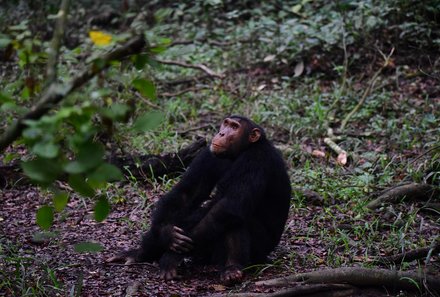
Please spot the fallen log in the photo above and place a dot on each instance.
(147, 166)
(413, 191)
(140, 167)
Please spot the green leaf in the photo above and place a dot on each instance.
(158, 49)
(88, 247)
(9, 157)
(77, 182)
(45, 236)
(106, 172)
(89, 156)
(140, 61)
(46, 150)
(102, 209)
(4, 41)
(32, 133)
(41, 170)
(45, 217)
(116, 111)
(145, 87)
(296, 8)
(148, 121)
(4, 98)
(60, 201)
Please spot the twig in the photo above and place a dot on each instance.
(147, 102)
(131, 264)
(193, 66)
(55, 93)
(54, 49)
(420, 156)
(341, 90)
(192, 89)
(342, 154)
(210, 42)
(368, 89)
(336, 148)
(194, 129)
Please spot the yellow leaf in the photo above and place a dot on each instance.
(99, 38)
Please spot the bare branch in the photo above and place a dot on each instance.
(369, 88)
(193, 66)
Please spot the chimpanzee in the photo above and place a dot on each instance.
(229, 208)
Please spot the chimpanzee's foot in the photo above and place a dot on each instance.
(127, 257)
(169, 274)
(168, 266)
(232, 275)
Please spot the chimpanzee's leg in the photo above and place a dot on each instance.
(237, 255)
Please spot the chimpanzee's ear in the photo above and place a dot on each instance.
(255, 135)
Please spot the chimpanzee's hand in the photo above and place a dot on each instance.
(180, 243)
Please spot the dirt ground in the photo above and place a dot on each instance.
(119, 231)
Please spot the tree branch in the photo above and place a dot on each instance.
(368, 89)
(58, 34)
(193, 66)
(55, 93)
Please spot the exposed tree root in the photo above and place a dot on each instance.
(312, 197)
(411, 191)
(410, 255)
(357, 276)
(318, 290)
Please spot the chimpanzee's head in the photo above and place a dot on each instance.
(235, 135)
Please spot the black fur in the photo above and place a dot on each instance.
(233, 209)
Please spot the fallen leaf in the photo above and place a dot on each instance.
(269, 58)
(261, 87)
(342, 158)
(218, 288)
(99, 38)
(299, 68)
(318, 154)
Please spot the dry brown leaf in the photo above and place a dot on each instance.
(318, 154)
(218, 287)
(299, 68)
(342, 158)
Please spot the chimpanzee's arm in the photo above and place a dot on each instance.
(234, 208)
(194, 187)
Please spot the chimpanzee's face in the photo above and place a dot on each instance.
(233, 137)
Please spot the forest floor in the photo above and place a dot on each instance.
(298, 251)
(392, 139)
